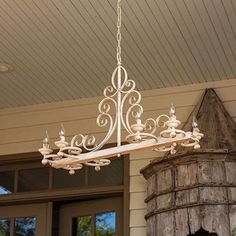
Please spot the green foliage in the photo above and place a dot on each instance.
(105, 224)
(25, 226)
(4, 227)
(84, 226)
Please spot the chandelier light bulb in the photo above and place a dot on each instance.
(194, 122)
(172, 110)
(138, 115)
(62, 133)
(46, 141)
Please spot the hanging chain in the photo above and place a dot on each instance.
(118, 32)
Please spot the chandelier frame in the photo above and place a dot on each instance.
(125, 100)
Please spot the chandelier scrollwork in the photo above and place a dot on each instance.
(122, 98)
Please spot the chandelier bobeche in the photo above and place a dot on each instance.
(122, 96)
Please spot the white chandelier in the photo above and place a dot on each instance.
(121, 96)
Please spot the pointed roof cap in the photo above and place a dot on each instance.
(214, 122)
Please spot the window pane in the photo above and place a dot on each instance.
(6, 182)
(62, 179)
(4, 227)
(82, 226)
(108, 175)
(106, 224)
(33, 179)
(25, 226)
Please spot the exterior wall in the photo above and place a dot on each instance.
(184, 98)
(22, 129)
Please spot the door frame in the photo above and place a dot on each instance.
(87, 208)
(42, 211)
(30, 160)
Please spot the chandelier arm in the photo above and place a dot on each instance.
(134, 97)
(104, 141)
(125, 124)
(150, 125)
(103, 119)
(131, 112)
(114, 79)
(112, 89)
(161, 123)
(104, 107)
(124, 149)
(101, 162)
(134, 102)
(130, 84)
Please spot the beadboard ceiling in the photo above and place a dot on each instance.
(66, 49)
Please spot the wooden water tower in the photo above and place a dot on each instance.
(194, 192)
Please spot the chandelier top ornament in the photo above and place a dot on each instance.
(120, 96)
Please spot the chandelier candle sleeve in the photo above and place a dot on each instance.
(122, 97)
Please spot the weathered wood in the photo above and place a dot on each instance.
(168, 228)
(232, 218)
(151, 183)
(181, 216)
(230, 168)
(214, 121)
(194, 219)
(211, 172)
(216, 219)
(186, 197)
(195, 192)
(165, 201)
(232, 194)
(151, 228)
(164, 181)
(186, 175)
(213, 195)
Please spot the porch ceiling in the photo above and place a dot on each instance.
(66, 49)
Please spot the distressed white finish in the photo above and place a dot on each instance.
(116, 151)
(120, 94)
(63, 50)
(143, 135)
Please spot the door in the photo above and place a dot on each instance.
(24, 220)
(92, 218)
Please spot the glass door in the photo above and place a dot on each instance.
(27, 220)
(92, 218)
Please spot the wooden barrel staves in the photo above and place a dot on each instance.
(194, 193)
(190, 192)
